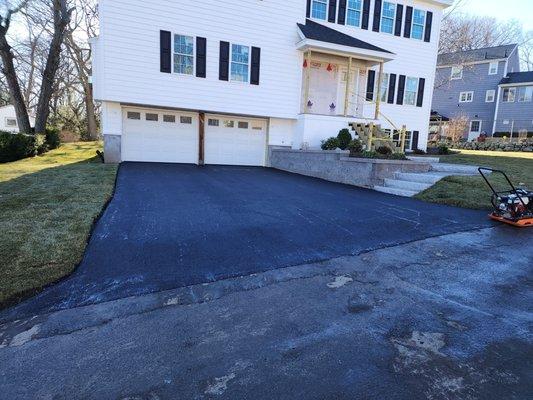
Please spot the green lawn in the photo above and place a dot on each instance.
(47, 206)
(472, 192)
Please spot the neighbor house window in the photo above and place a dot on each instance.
(489, 96)
(493, 68)
(11, 122)
(169, 118)
(411, 89)
(466, 97)
(525, 94)
(475, 126)
(240, 62)
(419, 22)
(134, 115)
(353, 12)
(387, 17)
(509, 95)
(185, 120)
(384, 90)
(152, 117)
(319, 9)
(183, 54)
(242, 125)
(212, 122)
(457, 72)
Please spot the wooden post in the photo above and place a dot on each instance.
(370, 134)
(378, 98)
(348, 83)
(201, 136)
(306, 84)
(402, 143)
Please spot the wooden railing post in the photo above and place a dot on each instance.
(306, 83)
(378, 97)
(402, 145)
(348, 83)
(370, 134)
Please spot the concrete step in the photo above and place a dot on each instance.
(406, 185)
(424, 159)
(396, 191)
(427, 177)
(454, 169)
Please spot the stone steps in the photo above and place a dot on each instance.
(424, 159)
(428, 177)
(395, 191)
(407, 184)
(453, 169)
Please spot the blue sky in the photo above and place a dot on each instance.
(521, 10)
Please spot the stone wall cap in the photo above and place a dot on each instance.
(312, 151)
(380, 161)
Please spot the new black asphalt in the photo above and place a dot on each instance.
(172, 225)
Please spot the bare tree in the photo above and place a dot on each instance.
(457, 127)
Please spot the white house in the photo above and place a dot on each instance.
(216, 82)
(8, 119)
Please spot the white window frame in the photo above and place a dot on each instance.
(455, 76)
(466, 98)
(382, 16)
(325, 2)
(525, 100)
(510, 90)
(490, 94)
(405, 91)
(11, 125)
(423, 25)
(491, 65)
(193, 55)
(480, 123)
(348, 8)
(237, 62)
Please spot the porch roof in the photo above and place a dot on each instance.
(319, 36)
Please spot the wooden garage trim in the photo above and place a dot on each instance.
(201, 138)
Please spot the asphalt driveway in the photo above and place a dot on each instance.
(170, 226)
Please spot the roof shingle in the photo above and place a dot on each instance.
(487, 53)
(517, 77)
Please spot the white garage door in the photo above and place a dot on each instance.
(234, 141)
(160, 136)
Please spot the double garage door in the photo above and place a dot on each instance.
(173, 137)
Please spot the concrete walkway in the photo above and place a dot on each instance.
(440, 318)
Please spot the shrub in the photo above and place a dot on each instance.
(16, 146)
(52, 138)
(369, 154)
(398, 156)
(355, 146)
(443, 149)
(330, 144)
(384, 150)
(419, 152)
(344, 137)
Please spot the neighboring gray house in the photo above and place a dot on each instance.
(467, 84)
(514, 109)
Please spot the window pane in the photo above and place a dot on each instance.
(183, 64)
(388, 9)
(152, 117)
(212, 122)
(183, 44)
(384, 87)
(419, 17)
(243, 125)
(475, 126)
(239, 53)
(229, 124)
(353, 15)
(239, 72)
(169, 118)
(134, 115)
(319, 9)
(11, 122)
(186, 120)
(417, 32)
(411, 88)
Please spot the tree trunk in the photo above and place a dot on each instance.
(15, 92)
(92, 129)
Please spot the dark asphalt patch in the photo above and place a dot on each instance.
(172, 225)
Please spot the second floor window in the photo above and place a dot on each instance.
(493, 68)
(240, 62)
(387, 17)
(353, 12)
(411, 89)
(457, 72)
(466, 97)
(509, 95)
(525, 94)
(419, 22)
(319, 9)
(489, 96)
(183, 54)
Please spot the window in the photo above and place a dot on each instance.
(183, 54)
(457, 72)
(11, 122)
(185, 120)
(411, 89)
(493, 68)
(419, 22)
(387, 17)
(525, 94)
(353, 12)
(489, 96)
(169, 118)
(152, 117)
(240, 60)
(466, 97)
(229, 124)
(242, 125)
(475, 126)
(213, 122)
(134, 115)
(319, 9)
(509, 95)
(384, 91)
(257, 128)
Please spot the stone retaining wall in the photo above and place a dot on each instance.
(337, 166)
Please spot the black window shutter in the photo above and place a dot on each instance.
(429, 23)
(308, 11)
(377, 15)
(370, 83)
(223, 62)
(255, 67)
(401, 90)
(408, 21)
(366, 14)
(392, 87)
(341, 18)
(165, 44)
(414, 141)
(399, 18)
(332, 10)
(420, 97)
(201, 54)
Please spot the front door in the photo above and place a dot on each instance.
(353, 98)
(475, 129)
